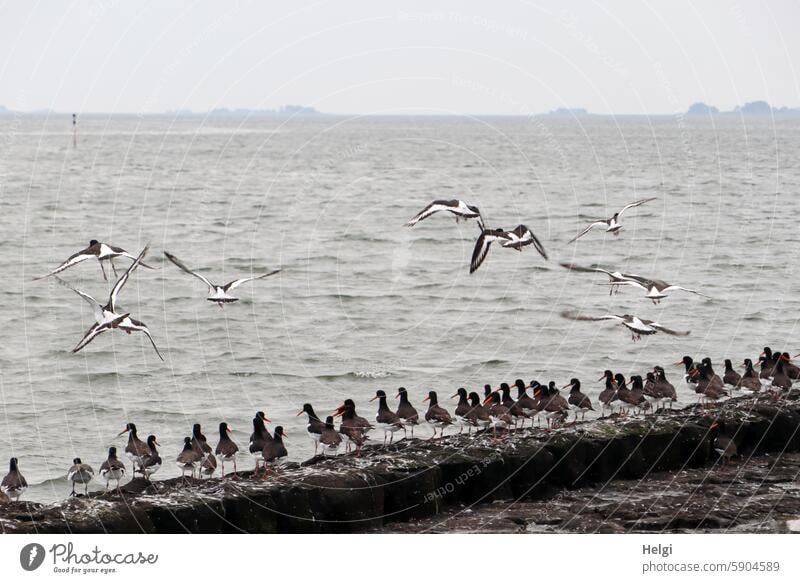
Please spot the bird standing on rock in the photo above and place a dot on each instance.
(436, 415)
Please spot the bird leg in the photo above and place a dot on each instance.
(103, 269)
(113, 267)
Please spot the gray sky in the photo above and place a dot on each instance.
(507, 56)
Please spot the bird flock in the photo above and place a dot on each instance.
(497, 411)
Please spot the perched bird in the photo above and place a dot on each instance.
(708, 382)
(663, 388)
(458, 208)
(199, 441)
(750, 379)
(406, 411)
(274, 451)
(478, 415)
(258, 438)
(387, 420)
(579, 402)
(689, 365)
(330, 439)
(525, 406)
(555, 407)
(208, 466)
(354, 428)
(461, 411)
(101, 251)
(151, 462)
(109, 317)
(14, 483)
(219, 293)
(636, 395)
(779, 377)
(519, 237)
(315, 425)
(436, 416)
(609, 394)
(188, 459)
(723, 445)
(226, 448)
(731, 377)
(638, 326)
(135, 449)
(613, 224)
(112, 470)
(499, 414)
(80, 473)
(623, 395)
(791, 369)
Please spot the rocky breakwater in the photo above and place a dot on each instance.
(415, 479)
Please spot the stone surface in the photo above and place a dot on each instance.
(618, 464)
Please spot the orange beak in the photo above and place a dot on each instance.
(339, 411)
(601, 378)
(428, 398)
(714, 425)
(299, 413)
(123, 432)
(228, 429)
(454, 396)
(373, 398)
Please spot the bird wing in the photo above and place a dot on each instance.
(634, 204)
(95, 331)
(479, 253)
(237, 282)
(586, 230)
(434, 207)
(686, 289)
(138, 326)
(573, 267)
(112, 297)
(183, 267)
(573, 315)
(124, 253)
(96, 307)
(82, 255)
(666, 330)
(636, 282)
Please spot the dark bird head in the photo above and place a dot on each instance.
(13, 464)
(651, 377)
(151, 441)
(196, 431)
(728, 364)
(607, 374)
(474, 209)
(187, 443)
(279, 433)
(434, 400)
(307, 408)
(77, 461)
(378, 395)
(129, 428)
(551, 388)
(329, 422)
(505, 389)
(619, 379)
(487, 390)
(461, 393)
(260, 416)
(474, 399)
(93, 242)
(224, 429)
(520, 384)
(112, 453)
(574, 385)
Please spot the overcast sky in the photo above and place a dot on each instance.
(502, 56)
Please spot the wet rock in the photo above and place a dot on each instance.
(612, 475)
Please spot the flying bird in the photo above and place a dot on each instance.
(656, 288)
(218, 293)
(638, 326)
(615, 278)
(108, 317)
(458, 208)
(517, 238)
(101, 251)
(613, 224)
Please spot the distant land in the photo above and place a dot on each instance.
(751, 108)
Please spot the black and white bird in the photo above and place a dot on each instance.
(101, 251)
(188, 459)
(638, 326)
(80, 473)
(109, 316)
(656, 289)
(151, 462)
(615, 278)
(612, 224)
(112, 469)
(218, 293)
(517, 238)
(458, 208)
(226, 448)
(14, 483)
